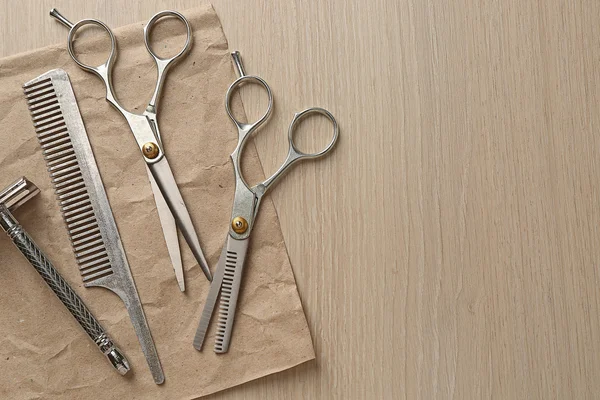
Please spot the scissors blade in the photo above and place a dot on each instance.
(211, 299)
(230, 288)
(230, 265)
(166, 182)
(169, 230)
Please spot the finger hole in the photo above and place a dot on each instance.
(90, 43)
(167, 35)
(256, 98)
(313, 132)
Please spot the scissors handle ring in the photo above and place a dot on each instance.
(113, 45)
(295, 155)
(247, 128)
(303, 114)
(154, 20)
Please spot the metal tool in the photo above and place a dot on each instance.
(82, 199)
(246, 203)
(11, 198)
(145, 130)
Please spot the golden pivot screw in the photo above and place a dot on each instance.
(150, 150)
(239, 225)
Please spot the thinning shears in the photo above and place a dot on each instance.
(169, 203)
(246, 203)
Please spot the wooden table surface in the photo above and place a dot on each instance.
(449, 248)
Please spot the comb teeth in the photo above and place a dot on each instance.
(228, 298)
(82, 198)
(67, 179)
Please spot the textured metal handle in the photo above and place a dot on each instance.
(63, 291)
(59, 286)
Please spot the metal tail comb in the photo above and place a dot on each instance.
(82, 199)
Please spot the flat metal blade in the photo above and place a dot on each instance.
(169, 228)
(166, 182)
(230, 288)
(211, 299)
(227, 281)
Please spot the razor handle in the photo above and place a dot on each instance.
(62, 290)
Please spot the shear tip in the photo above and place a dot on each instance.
(203, 265)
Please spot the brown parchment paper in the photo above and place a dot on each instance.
(43, 352)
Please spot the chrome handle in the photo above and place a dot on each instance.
(62, 290)
(163, 64)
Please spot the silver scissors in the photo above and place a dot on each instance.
(169, 203)
(246, 203)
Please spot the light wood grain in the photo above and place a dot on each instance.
(449, 248)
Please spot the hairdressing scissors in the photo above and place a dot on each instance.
(169, 203)
(246, 203)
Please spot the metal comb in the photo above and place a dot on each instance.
(82, 199)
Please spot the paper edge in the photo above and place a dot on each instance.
(254, 378)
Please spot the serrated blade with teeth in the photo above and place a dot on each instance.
(226, 281)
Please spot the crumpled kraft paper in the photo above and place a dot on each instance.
(43, 352)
